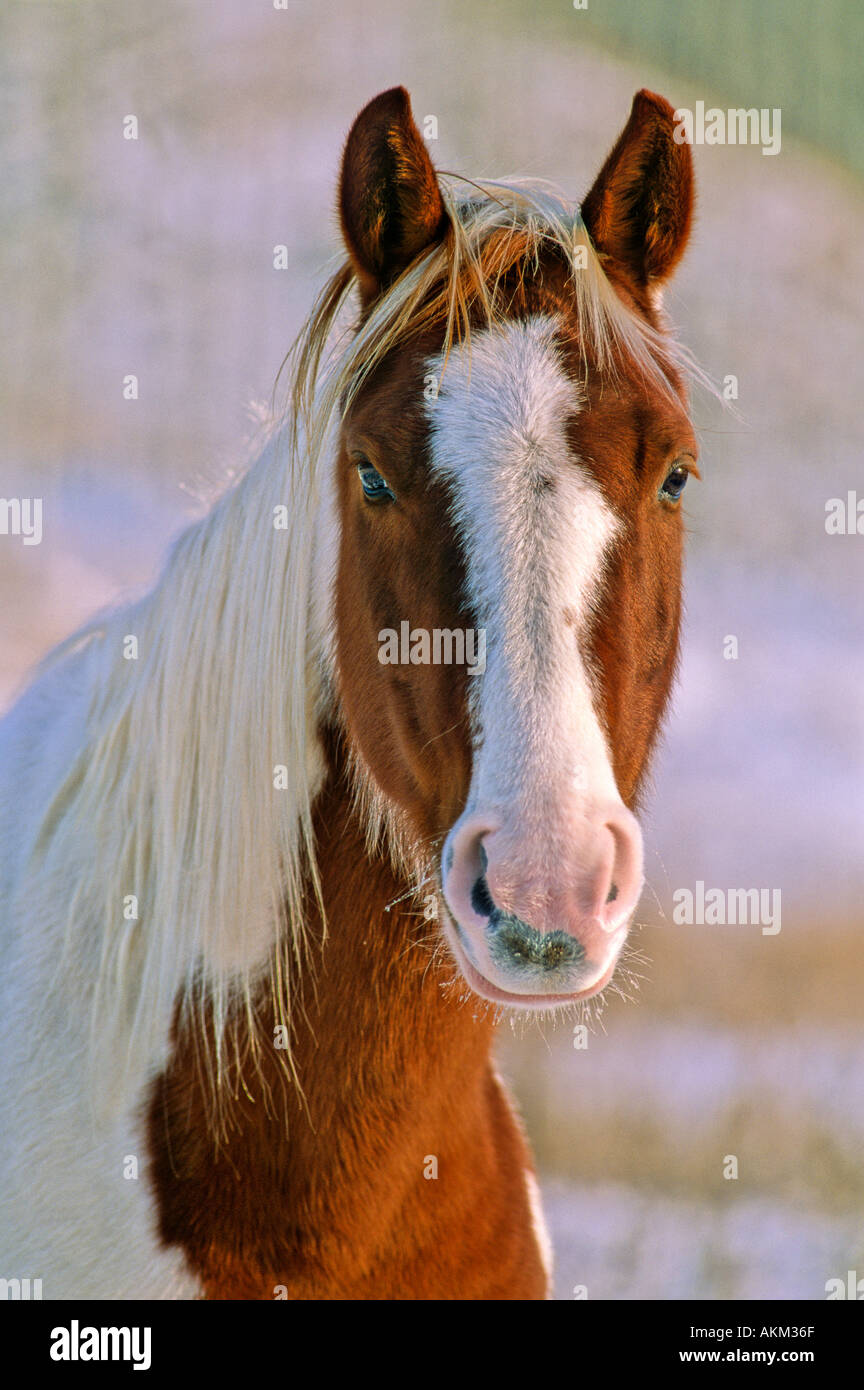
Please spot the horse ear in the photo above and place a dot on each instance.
(389, 199)
(639, 210)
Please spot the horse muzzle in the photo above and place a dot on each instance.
(538, 920)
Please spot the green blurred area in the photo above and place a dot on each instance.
(805, 58)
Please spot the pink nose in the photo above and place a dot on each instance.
(542, 916)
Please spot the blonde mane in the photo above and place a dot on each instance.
(170, 798)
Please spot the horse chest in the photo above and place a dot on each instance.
(385, 1184)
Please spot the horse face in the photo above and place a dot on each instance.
(518, 493)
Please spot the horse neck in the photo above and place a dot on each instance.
(381, 1000)
(321, 1190)
(387, 1057)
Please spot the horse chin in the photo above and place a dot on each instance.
(502, 997)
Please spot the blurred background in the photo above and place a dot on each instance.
(155, 257)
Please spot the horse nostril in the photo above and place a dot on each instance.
(516, 943)
(481, 898)
(613, 893)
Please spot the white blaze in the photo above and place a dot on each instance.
(535, 530)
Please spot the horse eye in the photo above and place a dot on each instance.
(375, 488)
(675, 484)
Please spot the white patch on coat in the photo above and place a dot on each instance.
(110, 778)
(68, 1216)
(536, 530)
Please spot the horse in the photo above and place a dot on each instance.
(277, 857)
